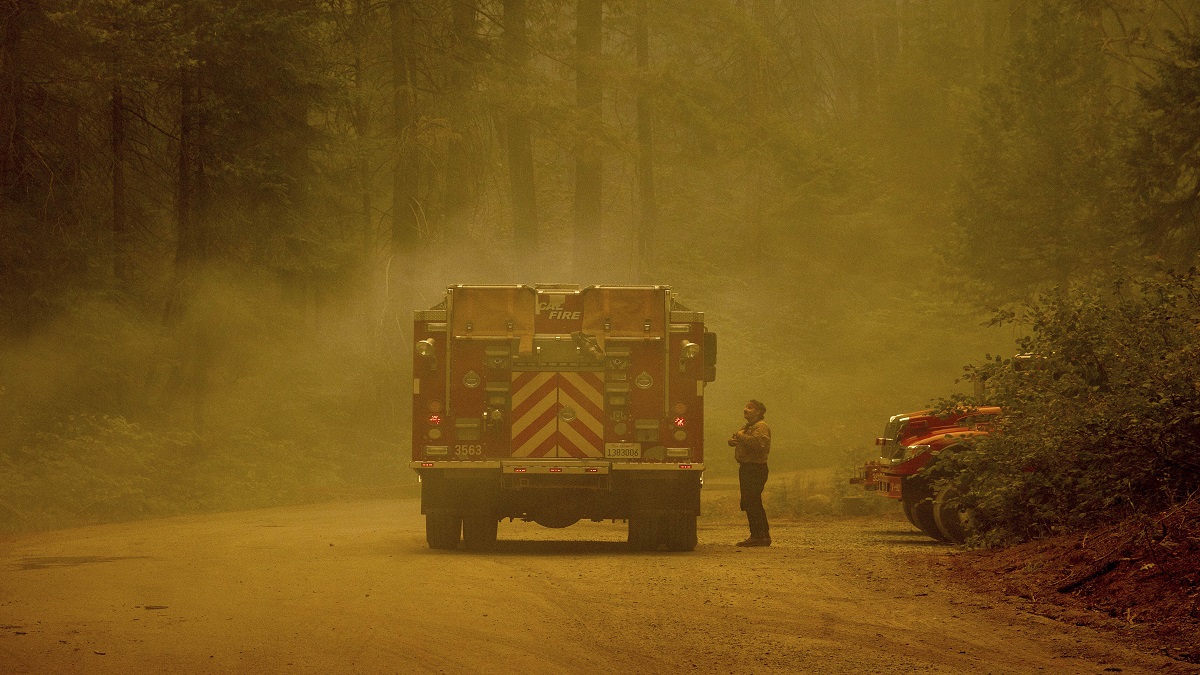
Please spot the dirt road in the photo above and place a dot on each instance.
(351, 587)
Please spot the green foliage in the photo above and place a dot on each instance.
(1101, 410)
(1163, 160)
(91, 427)
(89, 468)
(95, 468)
(1035, 198)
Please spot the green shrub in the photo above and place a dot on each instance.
(1101, 410)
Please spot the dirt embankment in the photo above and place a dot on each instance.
(1139, 580)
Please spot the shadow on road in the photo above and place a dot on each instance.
(906, 537)
(43, 562)
(555, 548)
(895, 533)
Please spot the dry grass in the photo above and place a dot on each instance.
(805, 493)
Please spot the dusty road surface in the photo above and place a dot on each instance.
(352, 588)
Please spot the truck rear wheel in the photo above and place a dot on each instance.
(479, 531)
(954, 522)
(443, 529)
(643, 531)
(680, 531)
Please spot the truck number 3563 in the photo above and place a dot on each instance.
(464, 450)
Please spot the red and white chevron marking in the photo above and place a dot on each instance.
(541, 428)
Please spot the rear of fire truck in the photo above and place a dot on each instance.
(556, 403)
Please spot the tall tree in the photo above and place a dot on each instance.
(13, 22)
(1163, 159)
(647, 216)
(589, 166)
(361, 17)
(400, 272)
(521, 185)
(1034, 199)
(760, 110)
(118, 140)
(406, 209)
(460, 180)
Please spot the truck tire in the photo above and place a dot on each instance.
(443, 529)
(643, 531)
(906, 507)
(479, 531)
(954, 522)
(680, 531)
(918, 501)
(923, 516)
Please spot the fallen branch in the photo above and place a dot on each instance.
(1098, 572)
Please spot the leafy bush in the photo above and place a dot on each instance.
(1101, 410)
(89, 468)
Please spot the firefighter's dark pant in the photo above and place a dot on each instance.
(752, 478)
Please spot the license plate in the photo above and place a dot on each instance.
(623, 450)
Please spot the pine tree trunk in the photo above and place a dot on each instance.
(405, 178)
(120, 211)
(11, 97)
(761, 109)
(459, 178)
(522, 188)
(400, 277)
(588, 166)
(647, 203)
(189, 376)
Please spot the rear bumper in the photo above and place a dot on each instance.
(593, 489)
(576, 466)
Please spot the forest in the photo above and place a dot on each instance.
(216, 219)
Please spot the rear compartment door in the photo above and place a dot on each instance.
(558, 414)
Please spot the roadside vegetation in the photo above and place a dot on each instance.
(1101, 412)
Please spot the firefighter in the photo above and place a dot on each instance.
(751, 444)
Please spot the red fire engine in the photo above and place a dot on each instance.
(556, 403)
(910, 444)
